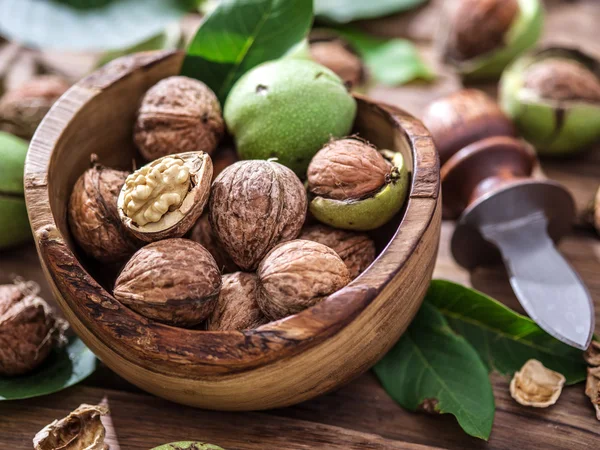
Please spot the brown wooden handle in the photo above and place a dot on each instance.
(481, 169)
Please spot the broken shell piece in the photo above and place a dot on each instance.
(80, 430)
(592, 388)
(592, 354)
(535, 385)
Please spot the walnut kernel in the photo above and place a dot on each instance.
(166, 197)
(254, 205)
(175, 281)
(178, 115)
(357, 250)
(535, 385)
(592, 388)
(298, 274)
(237, 308)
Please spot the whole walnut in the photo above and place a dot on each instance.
(94, 218)
(29, 329)
(347, 169)
(174, 281)
(23, 108)
(298, 274)
(254, 205)
(563, 79)
(203, 234)
(337, 55)
(357, 250)
(237, 308)
(222, 158)
(178, 115)
(480, 26)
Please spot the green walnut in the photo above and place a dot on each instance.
(14, 224)
(188, 445)
(353, 186)
(484, 36)
(553, 96)
(288, 109)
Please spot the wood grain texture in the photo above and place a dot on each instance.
(253, 369)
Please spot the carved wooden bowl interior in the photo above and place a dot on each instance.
(278, 364)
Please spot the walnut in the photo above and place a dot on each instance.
(592, 388)
(29, 329)
(94, 218)
(178, 115)
(237, 308)
(166, 197)
(203, 234)
(81, 429)
(479, 27)
(223, 157)
(298, 274)
(347, 169)
(23, 108)
(563, 79)
(535, 385)
(175, 281)
(337, 55)
(357, 250)
(592, 354)
(255, 205)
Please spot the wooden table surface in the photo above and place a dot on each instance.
(359, 415)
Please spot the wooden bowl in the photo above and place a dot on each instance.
(279, 364)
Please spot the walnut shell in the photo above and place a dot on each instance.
(175, 281)
(178, 115)
(536, 385)
(23, 108)
(562, 79)
(357, 250)
(298, 274)
(255, 205)
(338, 56)
(479, 26)
(237, 308)
(223, 158)
(29, 330)
(203, 234)
(94, 218)
(165, 198)
(347, 169)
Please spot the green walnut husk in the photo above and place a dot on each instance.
(522, 35)
(14, 224)
(190, 445)
(371, 212)
(554, 127)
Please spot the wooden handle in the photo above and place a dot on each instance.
(482, 168)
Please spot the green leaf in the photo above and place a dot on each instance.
(87, 25)
(63, 368)
(344, 11)
(504, 339)
(389, 61)
(240, 34)
(431, 364)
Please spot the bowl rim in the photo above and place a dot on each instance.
(169, 350)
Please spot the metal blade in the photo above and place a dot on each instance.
(546, 285)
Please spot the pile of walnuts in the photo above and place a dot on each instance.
(205, 241)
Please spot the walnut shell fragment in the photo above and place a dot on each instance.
(174, 281)
(29, 329)
(254, 205)
(202, 233)
(82, 429)
(592, 354)
(178, 115)
(592, 388)
(165, 198)
(298, 274)
(357, 250)
(535, 385)
(237, 308)
(94, 217)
